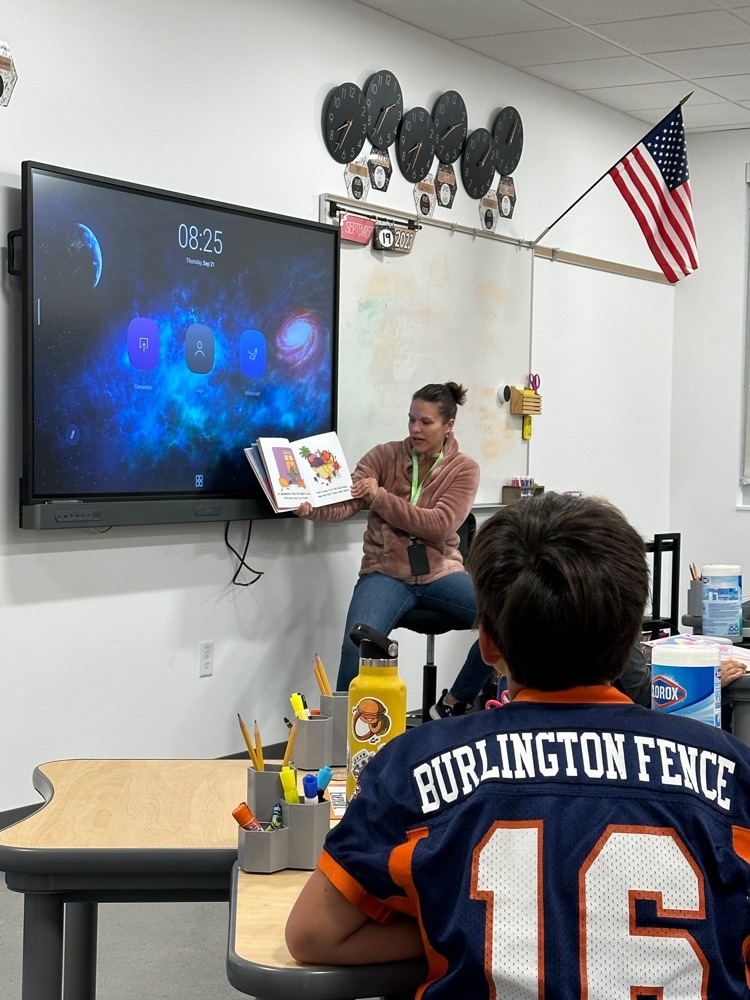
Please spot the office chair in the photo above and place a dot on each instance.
(432, 623)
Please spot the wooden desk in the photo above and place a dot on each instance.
(259, 963)
(115, 831)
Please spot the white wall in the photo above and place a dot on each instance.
(709, 359)
(100, 632)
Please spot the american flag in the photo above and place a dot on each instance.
(653, 180)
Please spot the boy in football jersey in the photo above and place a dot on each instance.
(570, 844)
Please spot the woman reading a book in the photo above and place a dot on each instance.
(418, 492)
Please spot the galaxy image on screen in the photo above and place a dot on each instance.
(168, 334)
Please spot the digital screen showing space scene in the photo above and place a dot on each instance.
(168, 336)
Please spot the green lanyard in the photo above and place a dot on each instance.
(416, 486)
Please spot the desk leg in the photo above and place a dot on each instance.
(81, 924)
(42, 946)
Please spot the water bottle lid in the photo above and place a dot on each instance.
(373, 645)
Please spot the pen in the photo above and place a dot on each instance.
(324, 777)
(244, 816)
(289, 784)
(310, 789)
(248, 744)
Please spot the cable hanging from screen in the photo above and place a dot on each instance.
(242, 563)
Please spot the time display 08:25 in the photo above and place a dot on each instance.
(202, 240)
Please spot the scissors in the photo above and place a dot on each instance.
(533, 381)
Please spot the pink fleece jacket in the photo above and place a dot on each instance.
(445, 501)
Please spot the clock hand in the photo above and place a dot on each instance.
(510, 138)
(445, 136)
(414, 158)
(484, 158)
(383, 113)
(342, 140)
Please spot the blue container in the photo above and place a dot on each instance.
(686, 680)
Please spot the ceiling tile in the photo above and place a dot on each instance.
(620, 71)
(452, 20)
(535, 48)
(712, 115)
(679, 31)
(654, 95)
(600, 11)
(734, 88)
(694, 64)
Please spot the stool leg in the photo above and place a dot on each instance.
(429, 680)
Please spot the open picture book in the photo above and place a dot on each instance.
(312, 469)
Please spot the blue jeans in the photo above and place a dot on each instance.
(379, 601)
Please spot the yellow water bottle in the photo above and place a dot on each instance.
(377, 702)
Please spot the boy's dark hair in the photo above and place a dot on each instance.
(447, 396)
(562, 584)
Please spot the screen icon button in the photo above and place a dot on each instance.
(143, 343)
(252, 353)
(199, 348)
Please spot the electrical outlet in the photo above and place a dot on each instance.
(206, 659)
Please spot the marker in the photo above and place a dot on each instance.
(310, 789)
(289, 784)
(275, 818)
(244, 816)
(324, 776)
(298, 705)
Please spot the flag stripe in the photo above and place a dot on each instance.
(653, 180)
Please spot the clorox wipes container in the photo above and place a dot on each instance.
(687, 680)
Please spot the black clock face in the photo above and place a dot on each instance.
(451, 126)
(385, 106)
(345, 122)
(508, 136)
(416, 144)
(478, 164)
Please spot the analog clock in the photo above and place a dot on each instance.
(416, 144)
(478, 164)
(345, 122)
(451, 126)
(385, 106)
(508, 135)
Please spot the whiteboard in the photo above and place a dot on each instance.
(457, 308)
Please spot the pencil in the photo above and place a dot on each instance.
(324, 675)
(289, 746)
(259, 746)
(248, 742)
(319, 678)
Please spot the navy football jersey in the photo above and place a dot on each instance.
(567, 846)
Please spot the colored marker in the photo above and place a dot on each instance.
(275, 818)
(289, 784)
(310, 789)
(298, 705)
(324, 776)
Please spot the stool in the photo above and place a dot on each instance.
(432, 623)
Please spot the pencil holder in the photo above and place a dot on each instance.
(263, 851)
(313, 743)
(264, 790)
(695, 599)
(336, 707)
(308, 826)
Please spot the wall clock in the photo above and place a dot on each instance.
(385, 106)
(508, 135)
(451, 126)
(478, 163)
(345, 122)
(416, 144)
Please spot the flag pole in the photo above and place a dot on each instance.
(606, 173)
